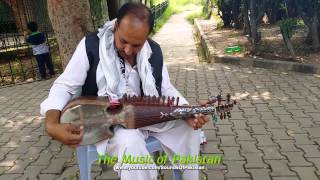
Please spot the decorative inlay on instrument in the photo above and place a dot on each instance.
(99, 114)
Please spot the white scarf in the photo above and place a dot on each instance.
(110, 80)
(109, 66)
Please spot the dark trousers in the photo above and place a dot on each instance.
(44, 60)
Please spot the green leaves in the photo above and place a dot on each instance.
(288, 26)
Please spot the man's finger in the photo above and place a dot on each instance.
(73, 146)
(73, 128)
(201, 120)
(75, 137)
(203, 102)
(206, 118)
(199, 125)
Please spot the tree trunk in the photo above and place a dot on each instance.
(253, 22)
(71, 21)
(246, 22)
(113, 6)
(315, 33)
(288, 44)
(236, 13)
(209, 9)
(225, 13)
(19, 14)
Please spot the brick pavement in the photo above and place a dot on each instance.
(273, 134)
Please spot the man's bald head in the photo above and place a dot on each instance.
(137, 12)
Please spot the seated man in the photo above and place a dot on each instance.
(118, 60)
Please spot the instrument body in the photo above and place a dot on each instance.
(98, 115)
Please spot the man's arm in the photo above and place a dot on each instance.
(64, 87)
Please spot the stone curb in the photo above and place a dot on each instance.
(254, 62)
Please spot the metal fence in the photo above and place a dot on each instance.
(17, 64)
(159, 9)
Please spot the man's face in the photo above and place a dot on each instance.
(130, 35)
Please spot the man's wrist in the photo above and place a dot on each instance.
(52, 119)
(49, 128)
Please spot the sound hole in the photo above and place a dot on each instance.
(114, 109)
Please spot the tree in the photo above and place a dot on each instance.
(225, 11)
(236, 20)
(246, 21)
(71, 21)
(308, 10)
(287, 27)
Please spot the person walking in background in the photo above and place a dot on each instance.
(40, 49)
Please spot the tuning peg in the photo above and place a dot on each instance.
(134, 98)
(172, 101)
(219, 99)
(125, 98)
(228, 97)
(168, 101)
(212, 100)
(229, 114)
(154, 99)
(221, 108)
(218, 108)
(163, 100)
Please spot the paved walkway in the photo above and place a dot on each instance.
(273, 134)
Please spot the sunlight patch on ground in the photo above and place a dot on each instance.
(254, 96)
(266, 95)
(239, 96)
(283, 98)
(226, 67)
(189, 69)
(316, 75)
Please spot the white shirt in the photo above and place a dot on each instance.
(40, 49)
(74, 76)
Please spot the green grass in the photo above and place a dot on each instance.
(156, 2)
(164, 18)
(197, 13)
(185, 5)
(175, 6)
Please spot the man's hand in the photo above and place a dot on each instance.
(198, 120)
(67, 134)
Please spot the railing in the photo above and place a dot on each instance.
(17, 64)
(159, 9)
